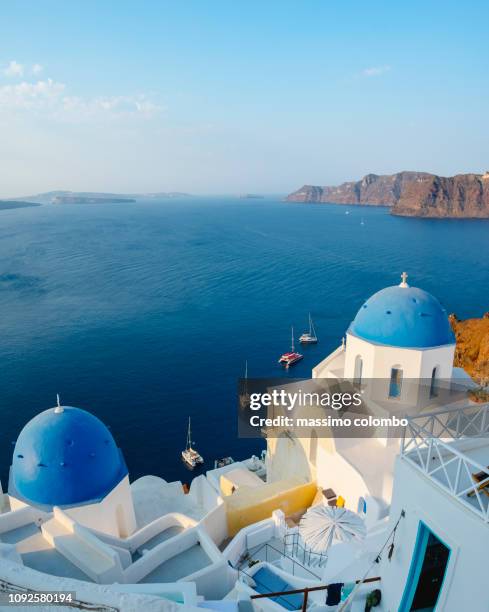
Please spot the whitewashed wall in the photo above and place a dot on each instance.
(113, 515)
(465, 584)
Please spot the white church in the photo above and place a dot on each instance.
(398, 347)
(72, 521)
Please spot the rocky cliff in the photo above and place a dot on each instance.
(418, 194)
(472, 351)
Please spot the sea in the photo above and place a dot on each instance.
(145, 313)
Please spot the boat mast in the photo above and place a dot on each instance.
(310, 325)
(313, 330)
(292, 347)
(189, 436)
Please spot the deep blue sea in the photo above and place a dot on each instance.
(144, 313)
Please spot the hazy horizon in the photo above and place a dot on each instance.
(223, 98)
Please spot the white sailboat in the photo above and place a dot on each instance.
(244, 397)
(309, 337)
(190, 456)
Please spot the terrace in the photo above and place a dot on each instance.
(451, 448)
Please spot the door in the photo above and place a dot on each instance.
(427, 572)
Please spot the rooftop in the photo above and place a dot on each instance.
(403, 316)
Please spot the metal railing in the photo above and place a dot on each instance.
(272, 551)
(282, 595)
(10, 587)
(293, 545)
(429, 445)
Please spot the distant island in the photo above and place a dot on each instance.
(411, 194)
(76, 199)
(251, 196)
(9, 204)
(95, 197)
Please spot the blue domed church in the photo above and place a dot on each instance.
(399, 350)
(66, 457)
(400, 332)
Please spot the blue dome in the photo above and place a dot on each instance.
(65, 456)
(403, 316)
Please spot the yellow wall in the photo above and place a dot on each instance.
(249, 505)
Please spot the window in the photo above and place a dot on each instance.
(395, 385)
(357, 375)
(362, 506)
(433, 389)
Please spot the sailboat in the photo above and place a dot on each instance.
(244, 396)
(288, 359)
(310, 336)
(190, 456)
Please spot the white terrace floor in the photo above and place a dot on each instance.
(38, 554)
(183, 564)
(157, 539)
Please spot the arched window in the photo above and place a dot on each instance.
(357, 374)
(313, 447)
(433, 389)
(395, 385)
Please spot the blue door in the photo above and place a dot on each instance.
(427, 572)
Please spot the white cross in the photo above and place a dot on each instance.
(59, 408)
(404, 278)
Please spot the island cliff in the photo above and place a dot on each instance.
(472, 351)
(416, 194)
(8, 204)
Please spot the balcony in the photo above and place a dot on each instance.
(451, 447)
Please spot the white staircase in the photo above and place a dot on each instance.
(92, 556)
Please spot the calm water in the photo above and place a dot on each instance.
(145, 313)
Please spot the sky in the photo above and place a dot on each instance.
(221, 97)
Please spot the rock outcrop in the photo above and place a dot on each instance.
(472, 351)
(417, 194)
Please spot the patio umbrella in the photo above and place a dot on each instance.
(323, 526)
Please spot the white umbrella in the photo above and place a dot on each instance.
(323, 526)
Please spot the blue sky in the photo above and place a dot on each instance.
(232, 96)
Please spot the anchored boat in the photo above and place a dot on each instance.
(309, 337)
(288, 359)
(190, 456)
(244, 396)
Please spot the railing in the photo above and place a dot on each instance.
(292, 544)
(10, 587)
(305, 592)
(428, 445)
(269, 549)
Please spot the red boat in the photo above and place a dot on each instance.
(288, 359)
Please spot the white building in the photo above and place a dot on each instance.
(399, 349)
(400, 332)
(441, 488)
(72, 520)
(66, 457)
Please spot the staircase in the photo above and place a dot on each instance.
(92, 556)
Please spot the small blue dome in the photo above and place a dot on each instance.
(403, 316)
(65, 456)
